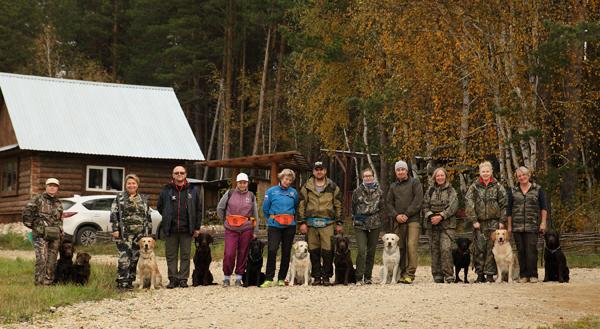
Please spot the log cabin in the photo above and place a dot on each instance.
(89, 135)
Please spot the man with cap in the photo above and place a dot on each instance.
(239, 211)
(403, 201)
(320, 209)
(180, 208)
(43, 215)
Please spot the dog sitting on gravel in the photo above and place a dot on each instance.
(506, 260)
(344, 269)
(81, 269)
(461, 257)
(253, 275)
(147, 273)
(64, 266)
(391, 258)
(300, 265)
(555, 262)
(202, 259)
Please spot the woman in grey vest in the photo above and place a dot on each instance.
(526, 216)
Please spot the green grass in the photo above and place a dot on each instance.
(585, 323)
(583, 260)
(27, 300)
(13, 241)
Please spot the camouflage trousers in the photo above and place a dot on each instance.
(46, 253)
(483, 259)
(441, 242)
(129, 253)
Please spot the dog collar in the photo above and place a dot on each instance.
(552, 251)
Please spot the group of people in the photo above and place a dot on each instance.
(315, 211)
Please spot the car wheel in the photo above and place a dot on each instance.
(86, 235)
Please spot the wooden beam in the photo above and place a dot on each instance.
(274, 171)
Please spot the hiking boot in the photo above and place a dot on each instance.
(226, 283)
(450, 280)
(238, 283)
(280, 283)
(172, 284)
(438, 280)
(183, 284)
(266, 284)
(368, 281)
(480, 278)
(490, 278)
(317, 282)
(533, 279)
(523, 280)
(406, 280)
(326, 282)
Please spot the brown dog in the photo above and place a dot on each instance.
(147, 269)
(506, 261)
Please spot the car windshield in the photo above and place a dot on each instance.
(67, 204)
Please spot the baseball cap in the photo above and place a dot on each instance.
(319, 164)
(241, 177)
(52, 181)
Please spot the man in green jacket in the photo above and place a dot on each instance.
(403, 202)
(320, 208)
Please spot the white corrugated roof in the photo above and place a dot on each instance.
(97, 118)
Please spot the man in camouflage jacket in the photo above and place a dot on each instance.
(485, 204)
(44, 211)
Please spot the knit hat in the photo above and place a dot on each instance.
(400, 164)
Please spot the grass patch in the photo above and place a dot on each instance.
(583, 260)
(27, 300)
(12, 241)
(585, 323)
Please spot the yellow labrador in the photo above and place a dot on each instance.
(147, 269)
(506, 261)
(300, 265)
(391, 258)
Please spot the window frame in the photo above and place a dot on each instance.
(5, 161)
(104, 178)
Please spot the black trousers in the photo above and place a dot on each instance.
(528, 253)
(275, 237)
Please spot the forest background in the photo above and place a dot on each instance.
(517, 82)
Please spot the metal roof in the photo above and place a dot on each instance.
(60, 115)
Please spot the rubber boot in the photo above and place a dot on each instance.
(327, 266)
(315, 260)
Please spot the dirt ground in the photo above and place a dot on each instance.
(423, 304)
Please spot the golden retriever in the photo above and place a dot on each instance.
(300, 265)
(147, 270)
(506, 261)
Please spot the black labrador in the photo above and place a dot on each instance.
(253, 276)
(202, 259)
(81, 268)
(555, 262)
(344, 269)
(64, 266)
(462, 258)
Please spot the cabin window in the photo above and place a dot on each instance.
(8, 176)
(99, 178)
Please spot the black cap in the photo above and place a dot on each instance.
(319, 164)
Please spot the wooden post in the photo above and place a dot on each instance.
(347, 199)
(274, 172)
(234, 173)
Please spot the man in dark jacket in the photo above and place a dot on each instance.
(180, 207)
(404, 200)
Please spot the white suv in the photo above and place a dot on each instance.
(83, 216)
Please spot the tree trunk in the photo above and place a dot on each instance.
(227, 113)
(214, 129)
(115, 31)
(277, 97)
(464, 117)
(383, 165)
(243, 96)
(261, 101)
(367, 149)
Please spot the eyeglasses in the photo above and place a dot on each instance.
(179, 173)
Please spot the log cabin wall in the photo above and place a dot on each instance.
(71, 170)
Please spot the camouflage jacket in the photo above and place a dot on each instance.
(486, 203)
(326, 204)
(135, 214)
(42, 210)
(367, 207)
(441, 200)
(525, 209)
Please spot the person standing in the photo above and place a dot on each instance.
(526, 216)
(180, 208)
(279, 207)
(238, 211)
(130, 221)
(485, 206)
(439, 206)
(43, 215)
(367, 207)
(320, 208)
(403, 201)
